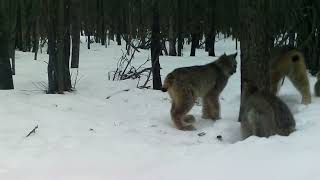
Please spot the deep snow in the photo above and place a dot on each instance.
(84, 136)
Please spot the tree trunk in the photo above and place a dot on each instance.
(67, 42)
(206, 42)
(180, 44)
(75, 12)
(172, 38)
(88, 36)
(59, 47)
(36, 38)
(163, 47)
(118, 39)
(60, 18)
(194, 43)
(236, 43)
(23, 25)
(211, 43)
(36, 5)
(155, 47)
(6, 81)
(179, 29)
(13, 21)
(255, 48)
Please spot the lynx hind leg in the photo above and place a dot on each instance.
(301, 83)
(211, 106)
(182, 103)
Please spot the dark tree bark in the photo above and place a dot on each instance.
(6, 81)
(163, 47)
(22, 26)
(60, 29)
(13, 6)
(255, 48)
(211, 43)
(37, 4)
(156, 47)
(194, 43)
(236, 43)
(118, 38)
(172, 37)
(67, 43)
(75, 11)
(59, 47)
(179, 29)
(212, 29)
(206, 43)
(88, 36)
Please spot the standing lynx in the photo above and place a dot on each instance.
(186, 84)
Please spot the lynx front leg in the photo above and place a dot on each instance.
(211, 106)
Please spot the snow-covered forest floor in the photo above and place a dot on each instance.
(84, 136)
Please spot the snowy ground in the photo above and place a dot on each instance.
(84, 136)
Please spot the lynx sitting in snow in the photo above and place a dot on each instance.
(264, 115)
(186, 84)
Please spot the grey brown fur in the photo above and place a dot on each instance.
(289, 62)
(265, 115)
(186, 84)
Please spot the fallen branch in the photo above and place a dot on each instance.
(124, 90)
(33, 131)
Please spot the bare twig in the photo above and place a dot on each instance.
(33, 131)
(124, 90)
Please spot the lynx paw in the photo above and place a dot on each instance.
(189, 119)
(188, 128)
(205, 116)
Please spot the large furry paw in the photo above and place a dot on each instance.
(189, 120)
(188, 128)
(205, 116)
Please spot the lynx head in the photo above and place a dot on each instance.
(228, 63)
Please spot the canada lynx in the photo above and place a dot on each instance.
(186, 84)
(287, 61)
(264, 115)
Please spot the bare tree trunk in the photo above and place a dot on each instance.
(194, 43)
(211, 43)
(6, 81)
(67, 42)
(172, 38)
(59, 47)
(236, 43)
(180, 38)
(13, 6)
(36, 5)
(155, 47)
(23, 26)
(88, 36)
(118, 38)
(75, 32)
(255, 49)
